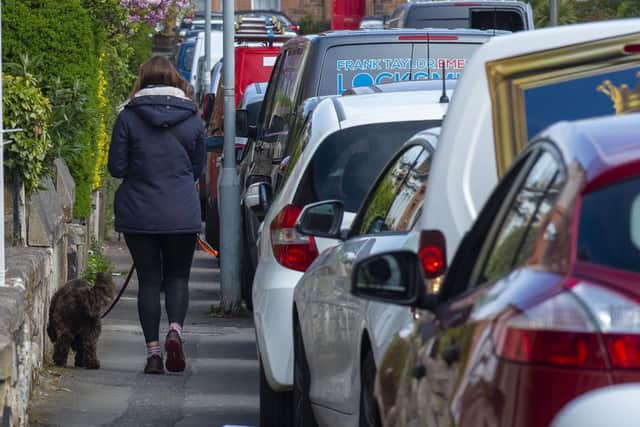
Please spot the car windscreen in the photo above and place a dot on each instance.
(348, 66)
(449, 16)
(347, 162)
(609, 229)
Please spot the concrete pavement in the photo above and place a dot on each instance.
(220, 385)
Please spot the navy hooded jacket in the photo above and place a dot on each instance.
(158, 148)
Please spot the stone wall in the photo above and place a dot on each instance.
(34, 273)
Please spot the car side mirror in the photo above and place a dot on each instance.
(258, 198)
(242, 124)
(392, 277)
(215, 144)
(322, 219)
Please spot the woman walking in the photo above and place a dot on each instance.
(157, 147)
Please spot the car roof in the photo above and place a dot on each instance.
(388, 107)
(598, 144)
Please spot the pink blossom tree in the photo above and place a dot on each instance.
(154, 12)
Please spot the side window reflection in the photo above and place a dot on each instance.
(515, 242)
(383, 196)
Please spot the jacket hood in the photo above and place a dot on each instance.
(162, 106)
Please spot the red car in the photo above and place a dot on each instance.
(541, 302)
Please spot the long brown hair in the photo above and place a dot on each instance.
(159, 71)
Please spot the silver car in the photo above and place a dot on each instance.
(339, 339)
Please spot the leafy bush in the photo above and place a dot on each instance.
(27, 108)
(97, 262)
(62, 32)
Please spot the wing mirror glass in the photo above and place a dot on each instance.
(392, 277)
(215, 144)
(258, 198)
(322, 219)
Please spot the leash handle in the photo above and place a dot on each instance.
(124, 286)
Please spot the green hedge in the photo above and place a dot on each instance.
(63, 34)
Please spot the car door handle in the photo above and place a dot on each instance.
(419, 371)
(451, 354)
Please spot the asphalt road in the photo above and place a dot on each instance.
(219, 387)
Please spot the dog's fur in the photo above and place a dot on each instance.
(74, 319)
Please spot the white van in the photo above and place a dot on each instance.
(512, 88)
(216, 54)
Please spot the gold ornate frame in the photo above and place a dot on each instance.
(509, 78)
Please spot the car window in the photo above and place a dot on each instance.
(383, 195)
(407, 204)
(348, 161)
(609, 230)
(281, 99)
(528, 210)
(289, 162)
(459, 16)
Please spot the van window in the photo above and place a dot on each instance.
(281, 99)
(345, 67)
(450, 16)
(348, 161)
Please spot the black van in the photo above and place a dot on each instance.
(329, 64)
(483, 15)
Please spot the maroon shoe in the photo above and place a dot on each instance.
(154, 365)
(175, 357)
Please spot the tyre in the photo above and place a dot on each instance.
(302, 412)
(212, 225)
(275, 407)
(369, 413)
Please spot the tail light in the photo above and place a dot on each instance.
(433, 253)
(291, 249)
(570, 329)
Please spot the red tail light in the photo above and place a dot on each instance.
(568, 329)
(433, 253)
(291, 249)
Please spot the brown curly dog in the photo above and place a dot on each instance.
(74, 319)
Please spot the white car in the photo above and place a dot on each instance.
(613, 406)
(514, 86)
(340, 339)
(346, 141)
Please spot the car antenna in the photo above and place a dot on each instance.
(444, 99)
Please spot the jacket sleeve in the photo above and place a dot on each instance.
(199, 155)
(119, 150)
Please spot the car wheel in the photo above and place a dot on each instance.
(212, 225)
(246, 274)
(275, 406)
(369, 413)
(302, 412)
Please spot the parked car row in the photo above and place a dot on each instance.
(537, 305)
(443, 252)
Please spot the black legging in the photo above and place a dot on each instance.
(161, 259)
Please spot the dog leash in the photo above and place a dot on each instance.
(205, 247)
(124, 286)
